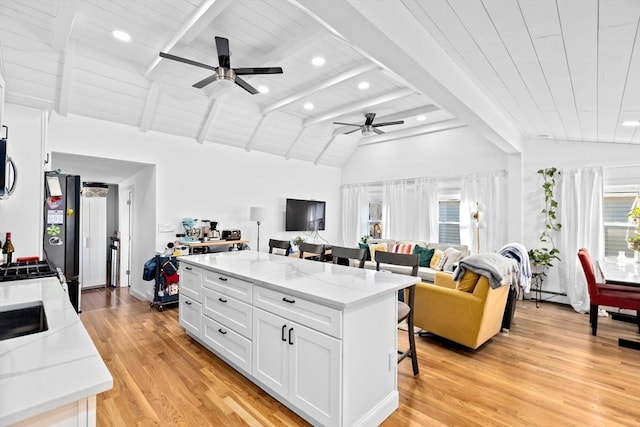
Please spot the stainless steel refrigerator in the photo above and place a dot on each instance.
(61, 239)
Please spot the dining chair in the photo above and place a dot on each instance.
(405, 310)
(312, 248)
(346, 254)
(285, 245)
(620, 296)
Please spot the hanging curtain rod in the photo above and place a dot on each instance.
(437, 177)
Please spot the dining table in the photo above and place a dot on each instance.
(626, 272)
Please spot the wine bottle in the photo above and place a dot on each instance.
(8, 249)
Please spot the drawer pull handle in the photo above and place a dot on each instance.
(222, 300)
(290, 301)
(188, 302)
(283, 328)
(222, 279)
(188, 268)
(290, 331)
(222, 332)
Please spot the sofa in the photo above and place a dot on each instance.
(426, 273)
(468, 312)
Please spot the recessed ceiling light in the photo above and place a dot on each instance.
(263, 89)
(308, 106)
(545, 136)
(631, 123)
(363, 85)
(121, 35)
(318, 61)
(421, 118)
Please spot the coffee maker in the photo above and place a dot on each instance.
(215, 234)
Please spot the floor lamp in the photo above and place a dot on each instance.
(256, 214)
(478, 216)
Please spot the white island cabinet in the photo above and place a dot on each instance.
(321, 338)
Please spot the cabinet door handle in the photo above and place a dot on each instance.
(222, 332)
(290, 301)
(222, 300)
(222, 279)
(188, 268)
(188, 302)
(283, 328)
(290, 330)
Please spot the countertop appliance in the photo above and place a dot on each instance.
(61, 239)
(231, 235)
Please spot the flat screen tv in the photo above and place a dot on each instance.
(304, 215)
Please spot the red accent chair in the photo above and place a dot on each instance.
(619, 296)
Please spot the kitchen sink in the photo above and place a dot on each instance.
(22, 319)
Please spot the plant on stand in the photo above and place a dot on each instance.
(543, 258)
(634, 241)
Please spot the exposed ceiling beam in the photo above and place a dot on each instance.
(392, 31)
(206, 13)
(208, 120)
(400, 115)
(356, 71)
(149, 107)
(315, 162)
(414, 131)
(294, 143)
(68, 61)
(357, 106)
(28, 101)
(64, 24)
(253, 135)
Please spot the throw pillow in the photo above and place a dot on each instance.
(468, 282)
(424, 255)
(435, 259)
(367, 256)
(403, 248)
(382, 247)
(451, 256)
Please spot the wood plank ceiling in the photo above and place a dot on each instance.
(566, 69)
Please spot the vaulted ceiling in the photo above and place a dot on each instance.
(510, 69)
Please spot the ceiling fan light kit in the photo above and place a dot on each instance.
(368, 128)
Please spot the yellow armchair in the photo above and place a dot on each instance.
(468, 318)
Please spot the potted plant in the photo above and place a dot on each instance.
(542, 259)
(633, 242)
(296, 242)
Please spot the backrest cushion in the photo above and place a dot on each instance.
(377, 247)
(468, 281)
(367, 256)
(436, 258)
(442, 246)
(403, 248)
(451, 256)
(424, 255)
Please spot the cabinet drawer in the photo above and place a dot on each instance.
(230, 312)
(190, 315)
(233, 346)
(191, 281)
(311, 314)
(227, 285)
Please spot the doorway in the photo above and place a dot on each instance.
(93, 271)
(126, 234)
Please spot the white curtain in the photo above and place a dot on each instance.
(490, 190)
(426, 210)
(395, 199)
(411, 209)
(354, 203)
(579, 195)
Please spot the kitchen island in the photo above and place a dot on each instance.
(49, 377)
(320, 338)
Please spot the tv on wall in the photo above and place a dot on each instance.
(304, 215)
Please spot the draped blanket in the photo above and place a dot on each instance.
(518, 252)
(499, 269)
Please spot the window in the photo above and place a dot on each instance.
(615, 208)
(449, 221)
(374, 223)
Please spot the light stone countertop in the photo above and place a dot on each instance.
(322, 282)
(47, 370)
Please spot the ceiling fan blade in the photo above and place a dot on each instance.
(378, 131)
(345, 124)
(352, 131)
(369, 118)
(222, 46)
(246, 86)
(186, 61)
(202, 83)
(399, 122)
(258, 70)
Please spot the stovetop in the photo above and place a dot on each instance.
(26, 270)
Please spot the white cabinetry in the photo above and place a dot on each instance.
(300, 364)
(190, 311)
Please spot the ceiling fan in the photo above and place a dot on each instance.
(223, 71)
(368, 127)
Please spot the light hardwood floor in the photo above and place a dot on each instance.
(548, 371)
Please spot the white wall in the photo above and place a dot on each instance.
(21, 214)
